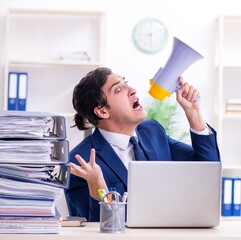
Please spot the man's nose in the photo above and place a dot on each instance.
(132, 91)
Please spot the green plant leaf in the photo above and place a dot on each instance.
(165, 112)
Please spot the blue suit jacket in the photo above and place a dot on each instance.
(157, 146)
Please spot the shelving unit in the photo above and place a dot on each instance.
(37, 40)
(228, 90)
(228, 87)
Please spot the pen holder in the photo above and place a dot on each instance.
(112, 217)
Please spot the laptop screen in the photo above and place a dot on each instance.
(173, 194)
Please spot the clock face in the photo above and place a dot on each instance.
(150, 35)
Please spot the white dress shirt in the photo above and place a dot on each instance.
(121, 145)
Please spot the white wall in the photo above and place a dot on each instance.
(191, 21)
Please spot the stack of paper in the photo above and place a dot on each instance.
(29, 224)
(26, 207)
(33, 171)
(31, 125)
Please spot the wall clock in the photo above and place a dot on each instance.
(150, 35)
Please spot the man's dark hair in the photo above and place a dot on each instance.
(87, 95)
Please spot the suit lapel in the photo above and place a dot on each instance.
(146, 144)
(108, 155)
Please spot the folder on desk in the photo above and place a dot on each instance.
(227, 190)
(32, 225)
(25, 207)
(31, 125)
(12, 91)
(41, 152)
(31, 190)
(236, 197)
(22, 91)
(55, 175)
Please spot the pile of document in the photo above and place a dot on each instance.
(33, 171)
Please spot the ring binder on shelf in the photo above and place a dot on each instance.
(12, 90)
(227, 189)
(22, 91)
(236, 197)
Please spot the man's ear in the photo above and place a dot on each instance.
(101, 112)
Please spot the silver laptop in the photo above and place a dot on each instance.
(173, 194)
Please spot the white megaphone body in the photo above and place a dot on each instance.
(165, 81)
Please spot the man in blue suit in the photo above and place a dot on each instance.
(104, 99)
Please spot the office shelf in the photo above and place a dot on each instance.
(228, 69)
(56, 49)
(57, 63)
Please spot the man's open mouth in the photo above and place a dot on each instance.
(136, 105)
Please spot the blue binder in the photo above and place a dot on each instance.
(236, 197)
(22, 91)
(12, 91)
(227, 189)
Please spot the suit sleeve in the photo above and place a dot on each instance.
(204, 148)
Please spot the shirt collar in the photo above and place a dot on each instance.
(117, 139)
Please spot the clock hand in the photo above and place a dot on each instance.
(151, 37)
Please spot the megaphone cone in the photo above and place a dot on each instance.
(165, 81)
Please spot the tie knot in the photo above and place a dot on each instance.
(133, 141)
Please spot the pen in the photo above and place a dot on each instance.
(109, 196)
(112, 195)
(124, 197)
(102, 194)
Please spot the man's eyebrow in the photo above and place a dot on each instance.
(116, 83)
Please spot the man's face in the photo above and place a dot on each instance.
(124, 108)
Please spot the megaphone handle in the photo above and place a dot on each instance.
(197, 97)
(177, 87)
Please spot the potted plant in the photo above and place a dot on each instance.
(167, 113)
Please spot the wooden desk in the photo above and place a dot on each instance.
(226, 230)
